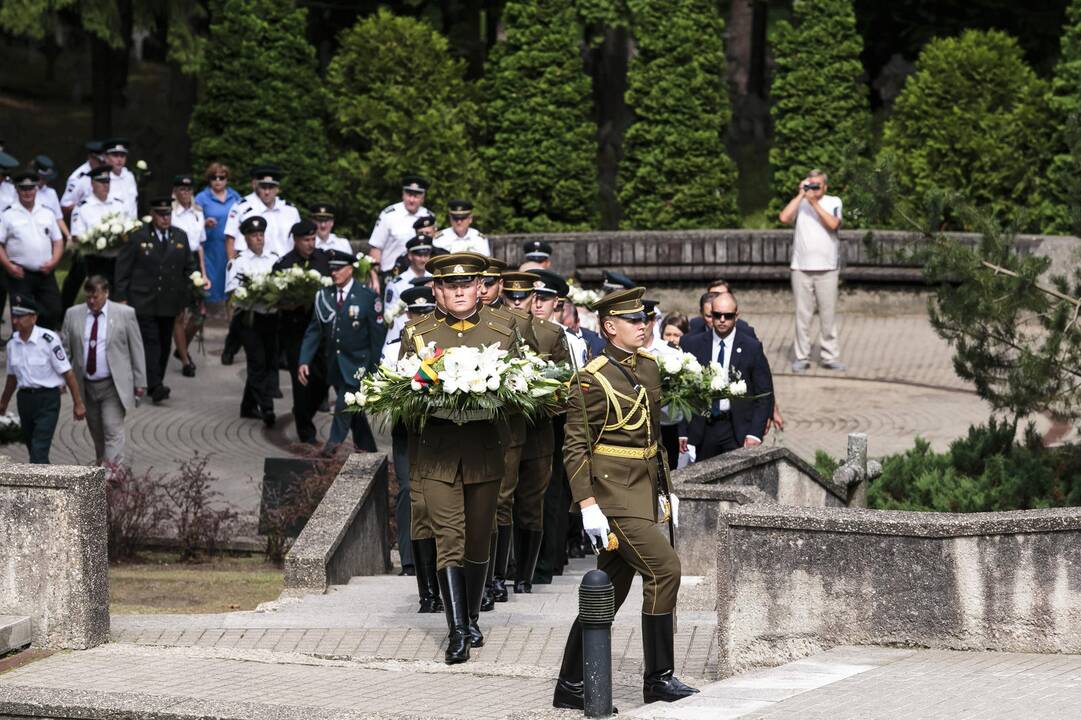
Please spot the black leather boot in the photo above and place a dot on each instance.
(487, 601)
(502, 557)
(452, 586)
(658, 661)
(475, 575)
(427, 582)
(530, 541)
(570, 690)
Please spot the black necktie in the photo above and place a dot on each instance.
(716, 409)
(92, 350)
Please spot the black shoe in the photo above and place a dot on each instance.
(569, 692)
(188, 370)
(427, 581)
(527, 547)
(504, 535)
(324, 406)
(251, 413)
(276, 393)
(475, 575)
(227, 357)
(408, 570)
(658, 661)
(159, 394)
(269, 419)
(452, 588)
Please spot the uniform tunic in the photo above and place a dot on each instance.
(190, 219)
(279, 221)
(393, 230)
(610, 452)
(474, 241)
(38, 365)
(458, 468)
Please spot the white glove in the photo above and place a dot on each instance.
(668, 508)
(675, 509)
(596, 526)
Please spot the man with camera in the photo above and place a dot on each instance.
(815, 268)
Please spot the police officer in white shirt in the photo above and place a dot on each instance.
(259, 328)
(86, 216)
(418, 252)
(46, 171)
(123, 185)
(461, 236)
(325, 239)
(30, 249)
(188, 217)
(395, 225)
(280, 215)
(76, 189)
(38, 367)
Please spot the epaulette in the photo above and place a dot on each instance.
(482, 236)
(47, 336)
(501, 312)
(422, 325)
(81, 203)
(387, 209)
(647, 354)
(6, 209)
(501, 328)
(438, 234)
(596, 364)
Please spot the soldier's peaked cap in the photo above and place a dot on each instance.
(457, 265)
(414, 183)
(23, 305)
(102, 173)
(614, 280)
(459, 208)
(518, 284)
(339, 259)
(537, 250)
(496, 268)
(626, 304)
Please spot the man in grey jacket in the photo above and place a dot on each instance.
(106, 349)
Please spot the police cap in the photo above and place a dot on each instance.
(419, 299)
(459, 209)
(616, 281)
(414, 184)
(537, 250)
(7, 161)
(338, 259)
(552, 284)
(266, 174)
(322, 211)
(650, 307)
(419, 244)
(45, 167)
(25, 179)
(302, 228)
(23, 305)
(117, 145)
(162, 205)
(183, 181)
(101, 173)
(253, 224)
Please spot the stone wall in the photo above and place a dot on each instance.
(54, 564)
(347, 534)
(749, 475)
(697, 256)
(792, 581)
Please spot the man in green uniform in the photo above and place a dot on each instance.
(619, 482)
(459, 466)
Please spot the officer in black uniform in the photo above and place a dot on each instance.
(292, 322)
(153, 274)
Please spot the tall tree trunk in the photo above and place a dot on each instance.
(738, 51)
(101, 87)
(607, 63)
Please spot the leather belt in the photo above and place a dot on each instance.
(633, 453)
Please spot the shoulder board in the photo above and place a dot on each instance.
(395, 341)
(422, 325)
(596, 364)
(501, 328)
(647, 354)
(482, 236)
(500, 312)
(6, 208)
(438, 234)
(388, 209)
(81, 203)
(47, 336)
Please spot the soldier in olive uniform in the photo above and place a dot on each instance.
(153, 275)
(618, 478)
(458, 467)
(348, 324)
(527, 496)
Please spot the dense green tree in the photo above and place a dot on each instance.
(973, 120)
(399, 103)
(819, 98)
(1062, 207)
(542, 142)
(675, 172)
(261, 99)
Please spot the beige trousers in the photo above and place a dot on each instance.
(105, 420)
(816, 288)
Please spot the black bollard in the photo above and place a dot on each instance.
(596, 610)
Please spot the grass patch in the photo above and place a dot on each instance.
(160, 584)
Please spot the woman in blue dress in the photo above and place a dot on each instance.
(216, 199)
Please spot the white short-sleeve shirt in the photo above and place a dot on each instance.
(192, 222)
(40, 362)
(815, 247)
(393, 230)
(28, 235)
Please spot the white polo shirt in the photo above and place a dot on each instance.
(192, 222)
(122, 187)
(73, 191)
(393, 230)
(39, 362)
(473, 241)
(90, 212)
(28, 235)
(815, 247)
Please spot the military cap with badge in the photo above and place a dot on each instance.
(102, 173)
(414, 184)
(25, 180)
(552, 284)
(537, 250)
(419, 300)
(457, 267)
(520, 285)
(623, 304)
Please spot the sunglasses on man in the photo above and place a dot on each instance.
(723, 315)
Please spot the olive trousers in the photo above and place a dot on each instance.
(644, 550)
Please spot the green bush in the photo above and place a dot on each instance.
(261, 98)
(1062, 208)
(973, 120)
(820, 108)
(542, 146)
(676, 172)
(982, 472)
(399, 103)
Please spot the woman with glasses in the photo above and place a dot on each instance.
(216, 199)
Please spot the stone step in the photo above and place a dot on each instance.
(14, 633)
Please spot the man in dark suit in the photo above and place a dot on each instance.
(153, 275)
(738, 422)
